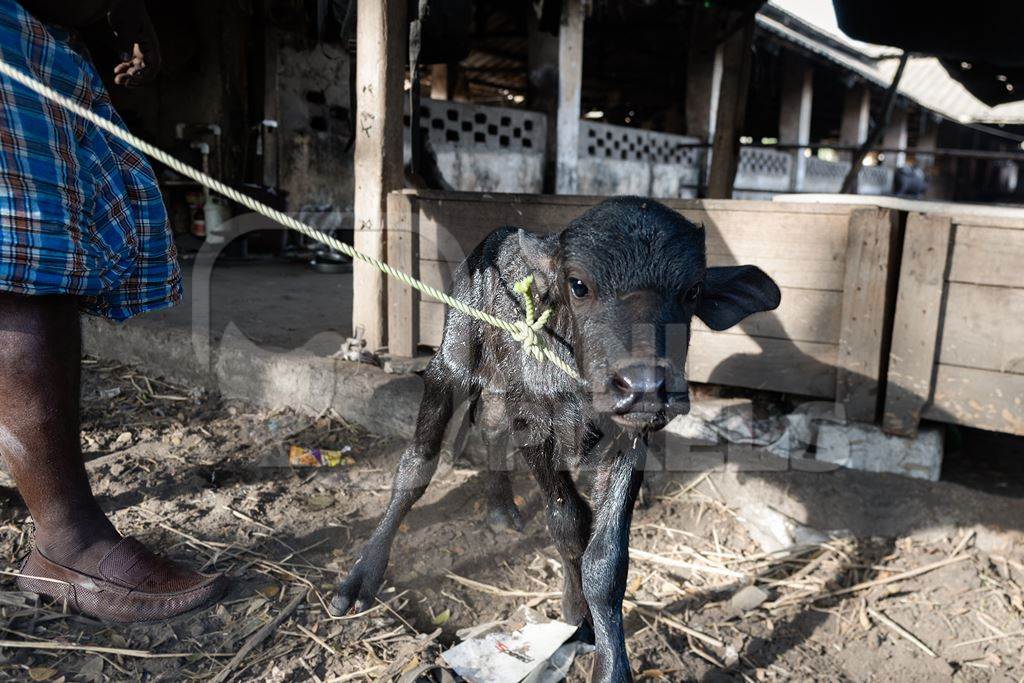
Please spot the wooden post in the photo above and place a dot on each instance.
(795, 113)
(380, 70)
(403, 253)
(866, 324)
(911, 376)
(732, 108)
(570, 83)
(439, 82)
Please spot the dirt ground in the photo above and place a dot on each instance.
(203, 480)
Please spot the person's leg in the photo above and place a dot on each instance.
(40, 364)
(79, 557)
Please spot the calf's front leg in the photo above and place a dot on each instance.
(606, 559)
(568, 517)
(415, 469)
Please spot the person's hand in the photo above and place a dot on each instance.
(135, 71)
(140, 50)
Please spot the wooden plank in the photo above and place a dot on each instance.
(802, 368)
(916, 324)
(805, 314)
(978, 398)
(987, 255)
(570, 87)
(983, 327)
(798, 250)
(380, 71)
(868, 292)
(980, 217)
(750, 205)
(403, 300)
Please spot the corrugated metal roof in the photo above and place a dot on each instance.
(924, 80)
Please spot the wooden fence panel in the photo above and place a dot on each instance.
(958, 347)
(832, 263)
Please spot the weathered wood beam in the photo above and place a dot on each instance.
(732, 108)
(380, 70)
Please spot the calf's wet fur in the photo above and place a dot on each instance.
(624, 281)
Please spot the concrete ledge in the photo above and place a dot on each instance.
(383, 403)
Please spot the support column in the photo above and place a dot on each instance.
(853, 130)
(732, 108)
(896, 138)
(439, 82)
(271, 104)
(542, 89)
(795, 113)
(704, 64)
(703, 78)
(380, 71)
(570, 82)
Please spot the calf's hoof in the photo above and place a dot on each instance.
(505, 517)
(357, 591)
(645, 497)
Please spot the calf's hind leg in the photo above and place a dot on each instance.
(502, 512)
(415, 469)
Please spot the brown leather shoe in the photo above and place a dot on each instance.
(133, 584)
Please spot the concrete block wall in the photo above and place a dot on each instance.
(484, 149)
(621, 160)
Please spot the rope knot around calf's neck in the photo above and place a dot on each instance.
(526, 331)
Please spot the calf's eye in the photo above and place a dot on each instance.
(579, 290)
(693, 292)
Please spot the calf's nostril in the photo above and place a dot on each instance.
(640, 384)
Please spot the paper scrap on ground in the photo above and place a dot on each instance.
(732, 420)
(511, 651)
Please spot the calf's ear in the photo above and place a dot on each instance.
(731, 293)
(539, 253)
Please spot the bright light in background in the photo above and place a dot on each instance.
(594, 114)
(828, 154)
(746, 140)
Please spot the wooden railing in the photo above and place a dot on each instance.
(828, 339)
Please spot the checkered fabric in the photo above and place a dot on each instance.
(80, 211)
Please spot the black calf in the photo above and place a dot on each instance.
(624, 281)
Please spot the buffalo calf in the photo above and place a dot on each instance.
(624, 281)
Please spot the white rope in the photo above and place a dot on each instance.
(530, 340)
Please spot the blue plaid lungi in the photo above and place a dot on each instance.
(80, 211)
